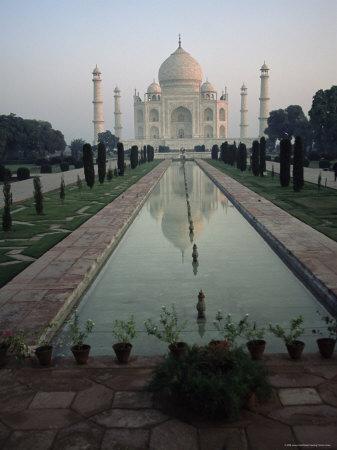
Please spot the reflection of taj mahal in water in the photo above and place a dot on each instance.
(181, 110)
(167, 204)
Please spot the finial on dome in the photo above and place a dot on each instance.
(179, 41)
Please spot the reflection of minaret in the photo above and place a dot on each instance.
(264, 99)
(118, 114)
(98, 103)
(244, 113)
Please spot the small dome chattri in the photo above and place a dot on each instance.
(264, 67)
(207, 87)
(96, 71)
(154, 88)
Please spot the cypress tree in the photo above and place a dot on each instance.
(255, 158)
(88, 165)
(101, 161)
(62, 190)
(262, 159)
(120, 158)
(285, 154)
(233, 154)
(215, 152)
(222, 151)
(38, 196)
(134, 157)
(144, 152)
(298, 179)
(150, 153)
(242, 157)
(79, 183)
(6, 213)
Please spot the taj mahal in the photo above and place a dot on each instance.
(181, 110)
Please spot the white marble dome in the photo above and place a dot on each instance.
(207, 87)
(154, 88)
(180, 66)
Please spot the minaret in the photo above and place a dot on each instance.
(118, 114)
(244, 113)
(98, 103)
(264, 99)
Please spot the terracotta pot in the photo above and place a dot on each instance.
(219, 344)
(326, 347)
(44, 354)
(295, 349)
(256, 348)
(178, 349)
(3, 355)
(122, 351)
(81, 353)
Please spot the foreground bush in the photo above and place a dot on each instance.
(211, 381)
(23, 173)
(64, 166)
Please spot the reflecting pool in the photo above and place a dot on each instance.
(152, 266)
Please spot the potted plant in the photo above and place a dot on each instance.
(168, 331)
(44, 351)
(124, 331)
(78, 335)
(228, 330)
(256, 343)
(5, 343)
(294, 346)
(326, 345)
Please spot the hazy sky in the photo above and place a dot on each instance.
(48, 49)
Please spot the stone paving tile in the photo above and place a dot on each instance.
(120, 439)
(29, 440)
(300, 239)
(80, 436)
(174, 435)
(128, 418)
(52, 400)
(48, 380)
(324, 436)
(295, 380)
(4, 433)
(33, 419)
(299, 396)
(132, 380)
(127, 399)
(328, 392)
(306, 415)
(216, 439)
(93, 400)
(273, 437)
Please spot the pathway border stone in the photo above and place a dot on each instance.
(64, 272)
(311, 255)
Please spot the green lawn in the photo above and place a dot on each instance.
(317, 208)
(66, 216)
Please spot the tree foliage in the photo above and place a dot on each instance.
(88, 164)
(285, 155)
(101, 161)
(298, 179)
(76, 147)
(26, 139)
(323, 120)
(109, 139)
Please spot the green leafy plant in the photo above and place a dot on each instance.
(124, 330)
(168, 330)
(79, 334)
(296, 330)
(38, 196)
(211, 382)
(252, 332)
(331, 326)
(16, 343)
(79, 183)
(6, 213)
(229, 330)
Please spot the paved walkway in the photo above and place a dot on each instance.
(22, 190)
(310, 252)
(310, 175)
(106, 406)
(46, 290)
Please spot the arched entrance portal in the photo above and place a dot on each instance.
(181, 123)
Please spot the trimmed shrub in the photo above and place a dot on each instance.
(262, 156)
(324, 164)
(6, 213)
(211, 382)
(62, 190)
(277, 159)
(215, 152)
(88, 164)
(101, 161)
(241, 162)
(38, 196)
(285, 155)
(298, 179)
(46, 168)
(78, 164)
(150, 153)
(23, 173)
(255, 158)
(5, 174)
(64, 166)
(134, 157)
(120, 158)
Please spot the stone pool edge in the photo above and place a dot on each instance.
(310, 276)
(47, 290)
